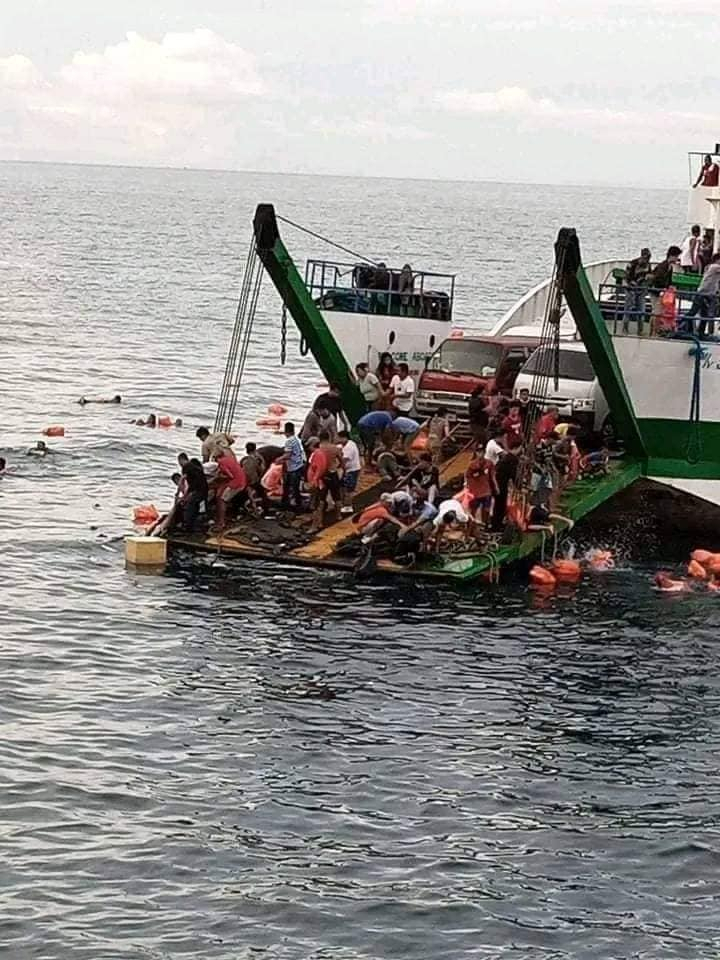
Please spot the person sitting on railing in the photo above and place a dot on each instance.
(406, 283)
(705, 301)
(709, 173)
(381, 284)
(636, 279)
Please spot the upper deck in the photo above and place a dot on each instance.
(376, 289)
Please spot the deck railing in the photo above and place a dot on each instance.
(639, 311)
(355, 288)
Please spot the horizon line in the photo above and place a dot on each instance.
(629, 185)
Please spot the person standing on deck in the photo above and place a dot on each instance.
(480, 482)
(254, 466)
(478, 415)
(351, 469)
(231, 485)
(636, 278)
(402, 386)
(294, 460)
(438, 431)
(332, 401)
(706, 299)
(690, 251)
(320, 418)
(661, 278)
(406, 283)
(505, 474)
(709, 175)
(214, 444)
(370, 387)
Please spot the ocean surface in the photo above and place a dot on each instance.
(249, 762)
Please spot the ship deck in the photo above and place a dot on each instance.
(320, 549)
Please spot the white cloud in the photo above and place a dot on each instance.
(371, 130)
(529, 110)
(18, 73)
(137, 100)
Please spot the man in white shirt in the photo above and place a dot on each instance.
(690, 251)
(494, 449)
(351, 469)
(402, 386)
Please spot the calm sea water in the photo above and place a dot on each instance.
(275, 763)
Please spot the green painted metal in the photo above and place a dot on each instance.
(667, 443)
(577, 501)
(598, 342)
(295, 295)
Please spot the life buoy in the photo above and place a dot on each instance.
(277, 409)
(54, 432)
(145, 515)
(701, 556)
(712, 564)
(542, 577)
(697, 571)
(567, 571)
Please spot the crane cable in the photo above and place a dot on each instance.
(239, 340)
(332, 243)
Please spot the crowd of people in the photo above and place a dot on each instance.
(520, 459)
(642, 280)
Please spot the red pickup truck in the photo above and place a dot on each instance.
(462, 363)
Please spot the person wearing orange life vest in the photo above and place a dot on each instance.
(482, 485)
(546, 424)
(660, 279)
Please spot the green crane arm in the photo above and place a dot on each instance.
(308, 319)
(598, 342)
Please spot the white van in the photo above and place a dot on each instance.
(578, 396)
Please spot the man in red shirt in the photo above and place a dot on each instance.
(232, 484)
(709, 173)
(546, 424)
(480, 481)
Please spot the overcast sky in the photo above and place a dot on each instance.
(535, 90)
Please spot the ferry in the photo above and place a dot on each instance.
(659, 385)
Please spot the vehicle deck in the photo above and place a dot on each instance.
(577, 501)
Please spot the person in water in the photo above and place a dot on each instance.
(150, 422)
(3, 466)
(40, 449)
(116, 399)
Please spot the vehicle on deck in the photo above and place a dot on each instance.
(462, 363)
(578, 396)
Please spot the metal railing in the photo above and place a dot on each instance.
(638, 311)
(356, 288)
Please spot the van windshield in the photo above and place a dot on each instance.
(574, 364)
(466, 356)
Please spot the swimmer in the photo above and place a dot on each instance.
(150, 422)
(40, 449)
(116, 399)
(600, 560)
(540, 518)
(666, 584)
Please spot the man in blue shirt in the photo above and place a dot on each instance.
(407, 428)
(294, 460)
(371, 426)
